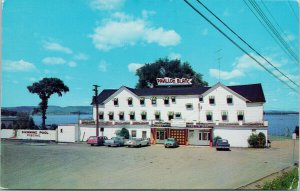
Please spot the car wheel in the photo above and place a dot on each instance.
(92, 145)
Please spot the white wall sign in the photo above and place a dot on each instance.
(173, 81)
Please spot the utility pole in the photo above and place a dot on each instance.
(97, 111)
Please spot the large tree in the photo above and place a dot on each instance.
(167, 68)
(45, 88)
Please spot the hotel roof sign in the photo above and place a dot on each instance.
(173, 81)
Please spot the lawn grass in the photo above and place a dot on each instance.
(286, 181)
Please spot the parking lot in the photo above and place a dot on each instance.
(71, 166)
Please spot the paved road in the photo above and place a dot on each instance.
(71, 166)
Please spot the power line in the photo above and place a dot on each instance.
(271, 28)
(293, 10)
(240, 46)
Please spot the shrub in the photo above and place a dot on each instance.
(261, 140)
(257, 141)
(284, 182)
(253, 140)
(124, 133)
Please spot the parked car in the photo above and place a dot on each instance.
(114, 141)
(171, 142)
(137, 142)
(94, 140)
(222, 144)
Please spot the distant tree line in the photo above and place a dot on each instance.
(23, 120)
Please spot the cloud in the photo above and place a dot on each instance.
(53, 61)
(123, 30)
(81, 56)
(233, 83)
(225, 75)
(174, 56)
(132, 67)
(53, 46)
(226, 13)
(18, 66)
(146, 13)
(68, 77)
(106, 5)
(102, 66)
(72, 64)
(243, 65)
(31, 79)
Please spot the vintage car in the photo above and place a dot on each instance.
(137, 142)
(114, 141)
(94, 140)
(171, 142)
(222, 144)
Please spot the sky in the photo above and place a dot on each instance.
(103, 42)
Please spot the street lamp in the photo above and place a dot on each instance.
(97, 112)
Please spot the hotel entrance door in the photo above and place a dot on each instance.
(160, 136)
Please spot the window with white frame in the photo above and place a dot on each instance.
(132, 115)
(111, 115)
(129, 101)
(229, 99)
(224, 115)
(153, 100)
(201, 98)
(142, 101)
(116, 101)
(178, 115)
(211, 100)
(133, 133)
(189, 106)
(209, 116)
(101, 115)
(170, 115)
(121, 115)
(173, 98)
(157, 115)
(166, 100)
(240, 115)
(144, 115)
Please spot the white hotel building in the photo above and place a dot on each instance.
(192, 115)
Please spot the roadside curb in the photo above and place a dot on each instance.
(256, 184)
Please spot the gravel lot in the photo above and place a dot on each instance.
(71, 166)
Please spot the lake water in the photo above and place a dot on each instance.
(281, 125)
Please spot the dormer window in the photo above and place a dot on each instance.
(129, 101)
(121, 115)
(211, 100)
(209, 116)
(240, 115)
(116, 101)
(157, 115)
(189, 106)
(229, 99)
(166, 100)
(170, 115)
(131, 115)
(224, 115)
(201, 98)
(153, 100)
(142, 101)
(173, 98)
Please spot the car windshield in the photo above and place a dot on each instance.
(92, 137)
(171, 139)
(114, 138)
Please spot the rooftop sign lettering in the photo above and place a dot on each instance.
(173, 81)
